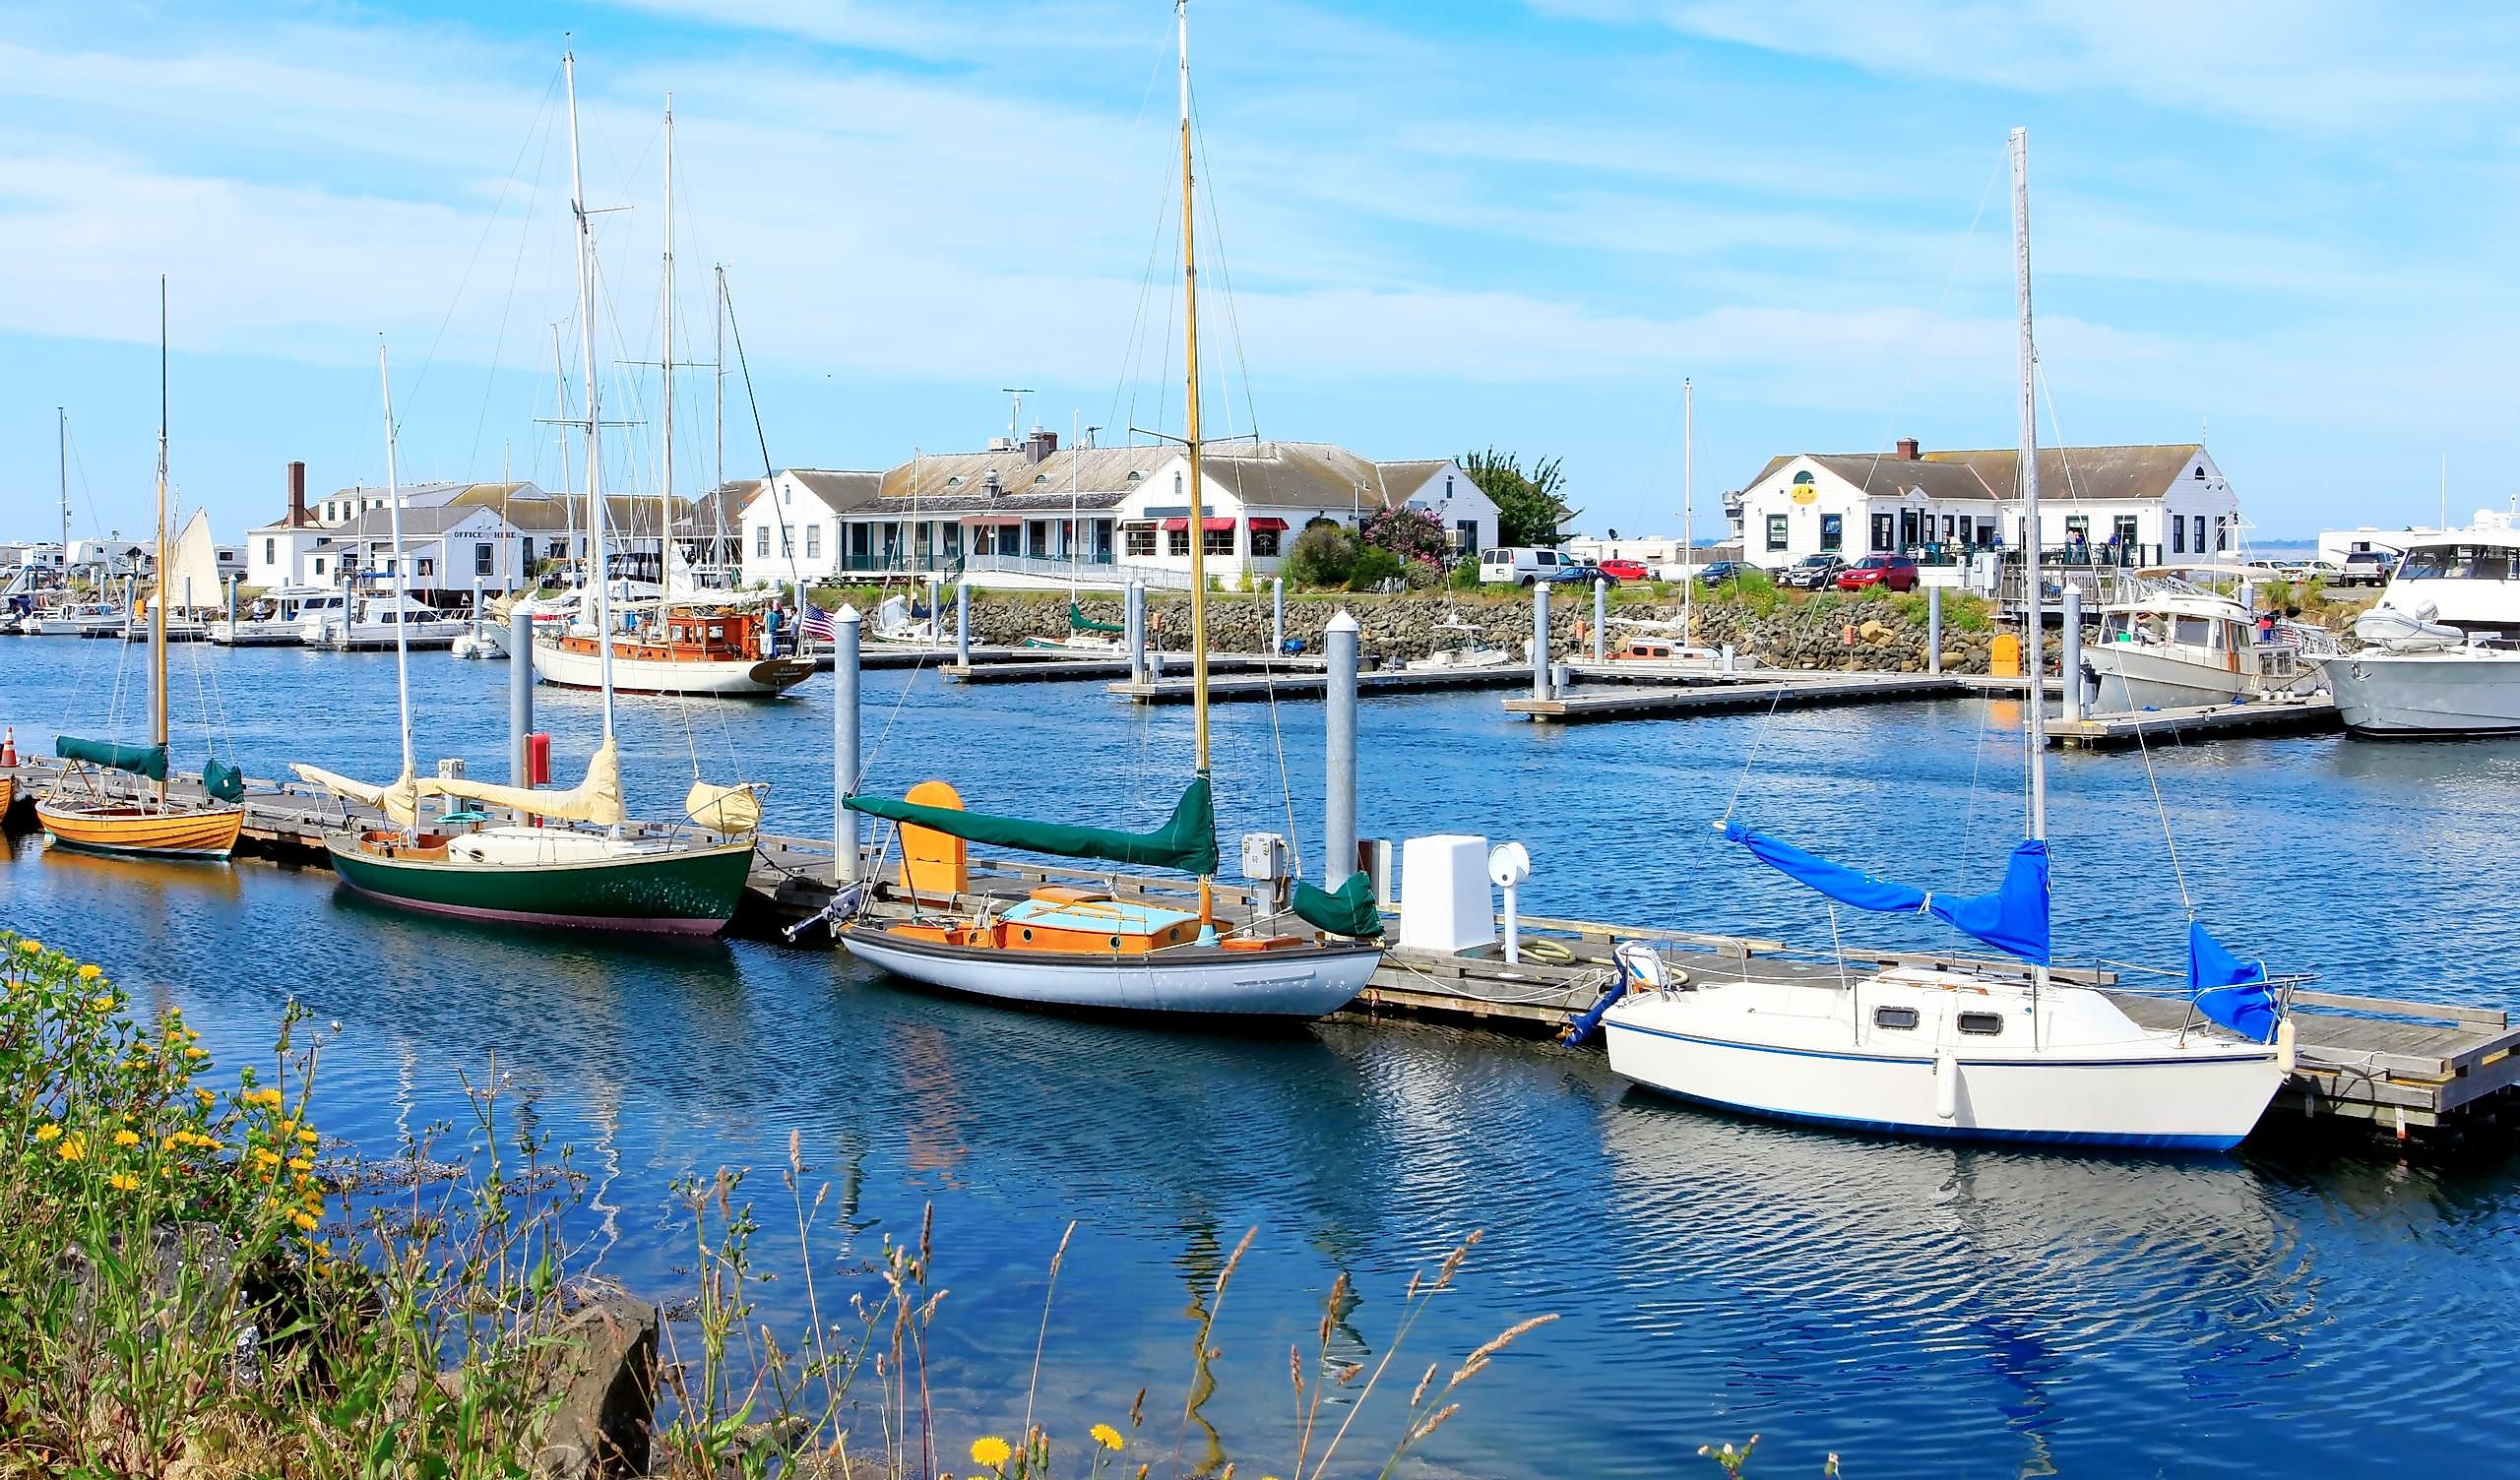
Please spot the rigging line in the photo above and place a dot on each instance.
(2056, 430)
(1224, 274)
(1758, 737)
(1132, 347)
(516, 275)
(496, 208)
(2161, 812)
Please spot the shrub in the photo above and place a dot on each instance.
(1413, 535)
(1373, 566)
(1322, 558)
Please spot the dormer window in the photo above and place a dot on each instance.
(956, 481)
(1134, 476)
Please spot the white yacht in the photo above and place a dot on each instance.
(273, 621)
(368, 623)
(2440, 654)
(2170, 640)
(85, 619)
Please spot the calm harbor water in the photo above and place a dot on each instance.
(1922, 1310)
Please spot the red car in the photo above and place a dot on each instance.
(1626, 570)
(1895, 573)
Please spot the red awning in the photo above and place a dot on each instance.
(1267, 523)
(1213, 525)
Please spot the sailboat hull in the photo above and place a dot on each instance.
(690, 892)
(176, 831)
(1184, 982)
(712, 678)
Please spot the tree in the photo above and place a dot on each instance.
(1413, 535)
(1528, 510)
(1322, 557)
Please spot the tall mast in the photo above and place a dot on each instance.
(664, 499)
(2034, 623)
(595, 558)
(1198, 488)
(1688, 503)
(61, 457)
(157, 598)
(393, 519)
(718, 428)
(560, 434)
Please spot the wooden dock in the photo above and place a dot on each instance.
(2402, 1066)
(2289, 715)
(1680, 701)
(1313, 683)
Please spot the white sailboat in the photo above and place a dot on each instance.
(1998, 1054)
(1081, 948)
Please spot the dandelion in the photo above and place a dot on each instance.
(91, 972)
(47, 1131)
(991, 1451)
(205, 1096)
(307, 1136)
(126, 1137)
(301, 1164)
(104, 1002)
(305, 1220)
(31, 947)
(195, 1051)
(123, 1182)
(266, 1157)
(74, 1148)
(1107, 1437)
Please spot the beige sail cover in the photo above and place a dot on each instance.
(597, 799)
(731, 810)
(192, 578)
(399, 800)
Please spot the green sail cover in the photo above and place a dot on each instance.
(224, 782)
(1346, 910)
(1188, 842)
(140, 760)
(1077, 622)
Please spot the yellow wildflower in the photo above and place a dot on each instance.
(301, 1164)
(123, 1182)
(31, 947)
(991, 1451)
(104, 1002)
(307, 1221)
(203, 1095)
(266, 1157)
(91, 972)
(194, 1051)
(1107, 1437)
(126, 1137)
(307, 1136)
(74, 1148)
(269, 1097)
(47, 1131)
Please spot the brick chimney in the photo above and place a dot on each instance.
(298, 518)
(1039, 444)
(1908, 451)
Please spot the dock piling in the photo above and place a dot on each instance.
(2069, 668)
(519, 692)
(1276, 617)
(962, 624)
(233, 583)
(1133, 629)
(1339, 792)
(1540, 641)
(844, 754)
(1600, 619)
(1934, 628)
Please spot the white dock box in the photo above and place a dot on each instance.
(1444, 899)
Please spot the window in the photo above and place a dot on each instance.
(1908, 519)
(525, 552)
(271, 552)
(813, 541)
(1881, 532)
(1137, 540)
(1776, 532)
(1176, 541)
(2077, 528)
(1833, 532)
(761, 539)
(2177, 534)
(428, 566)
(2122, 530)
(953, 542)
(1218, 541)
(1950, 527)
(2199, 542)
(1898, 1017)
(480, 560)
(1981, 1025)
(2222, 533)
(319, 565)
(786, 539)
(1264, 543)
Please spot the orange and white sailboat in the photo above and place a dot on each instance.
(81, 813)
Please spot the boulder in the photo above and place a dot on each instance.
(601, 1371)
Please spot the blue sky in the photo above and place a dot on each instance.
(2284, 226)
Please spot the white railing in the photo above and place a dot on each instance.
(1085, 573)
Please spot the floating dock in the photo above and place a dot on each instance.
(1069, 668)
(1676, 701)
(2403, 1065)
(1313, 683)
(2287, 714)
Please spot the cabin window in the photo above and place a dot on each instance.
(2191, 630)
(1881, 533)
(1981, 1025)
(1898, 1017)
(1776, 532)
(1833, 532)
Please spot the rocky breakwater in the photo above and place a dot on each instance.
(1883, 635)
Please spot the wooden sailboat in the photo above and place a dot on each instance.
(1986, 1053)
(708, 650)
(591, 870)
(81, 814)
(1079, 948)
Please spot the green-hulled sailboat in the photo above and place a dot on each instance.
(582, 866)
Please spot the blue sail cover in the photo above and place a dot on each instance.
(2232, 992)
(2012, 919)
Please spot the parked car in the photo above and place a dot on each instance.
(1574, 570)
(2315, 570)
(1520, 565)
(1626, 570)
(2365, 568)
(1716, 572)
(1895, 573)
(1812, 572)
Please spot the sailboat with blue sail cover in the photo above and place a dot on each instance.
(1986, 1053)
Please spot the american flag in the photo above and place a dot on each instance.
(817, 624)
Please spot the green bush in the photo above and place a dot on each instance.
(1323, 558)
(1372, 567)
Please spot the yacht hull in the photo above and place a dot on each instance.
(142, 832)
(2419, 695)
(1185, 982)
(2132, 678)
(2205, 1100)
(678, 892)
(704, 678)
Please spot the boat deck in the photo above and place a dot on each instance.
(2400, 1064)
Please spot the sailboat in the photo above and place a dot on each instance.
(81, 814)
(597, 874)
(1673, 641)
(1082, 949)
(681, 645)
(1988, 1053)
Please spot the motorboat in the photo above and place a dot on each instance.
(1464, 650)
(371, 624)
(2439, 656)
(83, 619)
(2170, 640)
(273, 621)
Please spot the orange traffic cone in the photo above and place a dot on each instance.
(9, 746)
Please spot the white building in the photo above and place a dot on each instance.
(2142, 505)
(1035, 512)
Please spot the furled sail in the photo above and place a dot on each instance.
(1346, 911)
(140, 760)
(399, 799)
(1186, 842)
(596, 800)
(2013, 918)
(2232, 992)
(1076, 621)
(729, 810)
